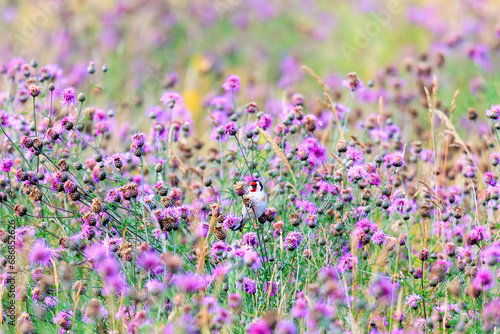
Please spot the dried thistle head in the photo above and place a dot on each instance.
(63, 165)
(36, 194)
(220, 233)
(294, 219)
(20, 210)
(74, 196)
(310, 123)
(97, 205)
(239, 188)
(167, 202)
(94, 308)
(89, 219)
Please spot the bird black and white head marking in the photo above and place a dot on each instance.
(255, 186)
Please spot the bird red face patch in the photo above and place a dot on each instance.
(253, 185)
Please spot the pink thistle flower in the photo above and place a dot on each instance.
(40, 254)
(68, 96)
(265, 121)
(249, 286)
(493, 112)
(150, 261)
(138, 139)
(231, 128)
(484, 279)
(293, 240)
(6, 164)
(232, 83)
(34, 90)
(170, 99)
(413, 301)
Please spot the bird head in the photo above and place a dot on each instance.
(256, 186)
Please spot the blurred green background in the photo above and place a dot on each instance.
(264, 42)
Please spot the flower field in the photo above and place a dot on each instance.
(235, 166)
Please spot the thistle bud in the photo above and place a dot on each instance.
(341, 146)
(81, 97)
(207, 182)
(91, 68)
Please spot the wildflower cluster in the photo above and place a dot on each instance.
(332, 209)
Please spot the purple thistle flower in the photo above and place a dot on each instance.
(51, 302)
(346, 262)
(379, 134)
(356, 173)
(232, 83)
(489, 178)
(231, 221)
(484, 279)
(231, 128)
(69, 187)
(189, 282)
(399, 205)
(252, 259)
(469, 171)
(394, 159)
(477, 234)
(170, 99)
(150, 261)
(6, 164)
(265, 121)
(354, 154)
(68, 96)
(221, 103)
(218, 248)
(259, 326)
(40, 254)
(250, 239)
(286, 327)
(202, 229)
(495, 158)
(222, 316)
(379, 237)
(249, 286)
(154, 286)
(399, 316)
(493, 112)
(413, 301)
(273, 286)
(307, 206)
(384, 290)
(63, 319)
(293, 240)
(311, 221)
(419, 323)
(138, 139)
(113, 196)
(117, 159)
(301, 309)
(68, 120)
(374, 179)
(491, 254)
